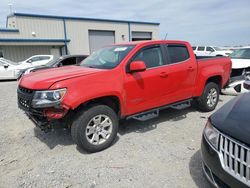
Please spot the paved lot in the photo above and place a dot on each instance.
(163, 152)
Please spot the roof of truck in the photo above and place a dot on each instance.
(152, 42)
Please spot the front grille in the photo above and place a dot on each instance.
(235, 158)
(24, 102)
(24, 97)
(25, 90)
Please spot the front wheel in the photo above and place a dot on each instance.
(95, 128)
(209, 98)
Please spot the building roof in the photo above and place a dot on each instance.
(80, 18)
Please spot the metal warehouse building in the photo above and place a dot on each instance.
(30, 34)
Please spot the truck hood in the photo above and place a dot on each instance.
(43, 79)
(233, 118)
(240, 63)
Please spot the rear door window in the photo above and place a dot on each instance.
(201, 48)
(194, 47)
(177, 53)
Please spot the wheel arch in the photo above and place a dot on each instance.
(216, 79)
(111, 101)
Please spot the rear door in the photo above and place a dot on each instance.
(145, 90)
(181, 72)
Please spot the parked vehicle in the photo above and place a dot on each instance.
(225, 144)
(210, 51)
(9, 70)
(65, 60)
(133, 80)
(36, 60)
(240, 71)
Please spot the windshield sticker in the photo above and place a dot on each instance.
(120, 49)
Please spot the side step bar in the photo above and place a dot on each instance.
(150, 114)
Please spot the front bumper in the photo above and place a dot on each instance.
(24, 98)
(213, 169)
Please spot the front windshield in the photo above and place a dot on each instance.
(108, 57)
(241, 54)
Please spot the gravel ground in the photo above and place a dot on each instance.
(163, 152)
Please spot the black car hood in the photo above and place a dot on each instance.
(233, 119)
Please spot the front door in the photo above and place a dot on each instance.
(145, 90)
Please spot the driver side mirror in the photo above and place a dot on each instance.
(137, 66)
(5, 66)
(29, 61)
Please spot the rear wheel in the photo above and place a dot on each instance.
(209, 98)
(95, 128)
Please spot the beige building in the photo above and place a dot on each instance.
(30, 34)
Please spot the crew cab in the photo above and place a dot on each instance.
(122, 81)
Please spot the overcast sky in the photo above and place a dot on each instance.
(211, 22)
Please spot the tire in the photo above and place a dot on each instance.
(92, 125)
(209, 98)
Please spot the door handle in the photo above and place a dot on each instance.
(190, 69)
(163, 74)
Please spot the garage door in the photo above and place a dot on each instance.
(98, 39)
(136, 35)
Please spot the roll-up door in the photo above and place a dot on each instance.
(136, 35)
(98, 39)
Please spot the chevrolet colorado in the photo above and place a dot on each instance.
(133, 80)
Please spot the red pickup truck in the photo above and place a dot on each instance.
(133, 80)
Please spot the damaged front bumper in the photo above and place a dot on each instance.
(44, 118)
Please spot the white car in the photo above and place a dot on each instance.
(10, 70)
(210, 51)
(240, 71)
(36, 60)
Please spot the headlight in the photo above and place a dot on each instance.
(48, 98)
(211, 134)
